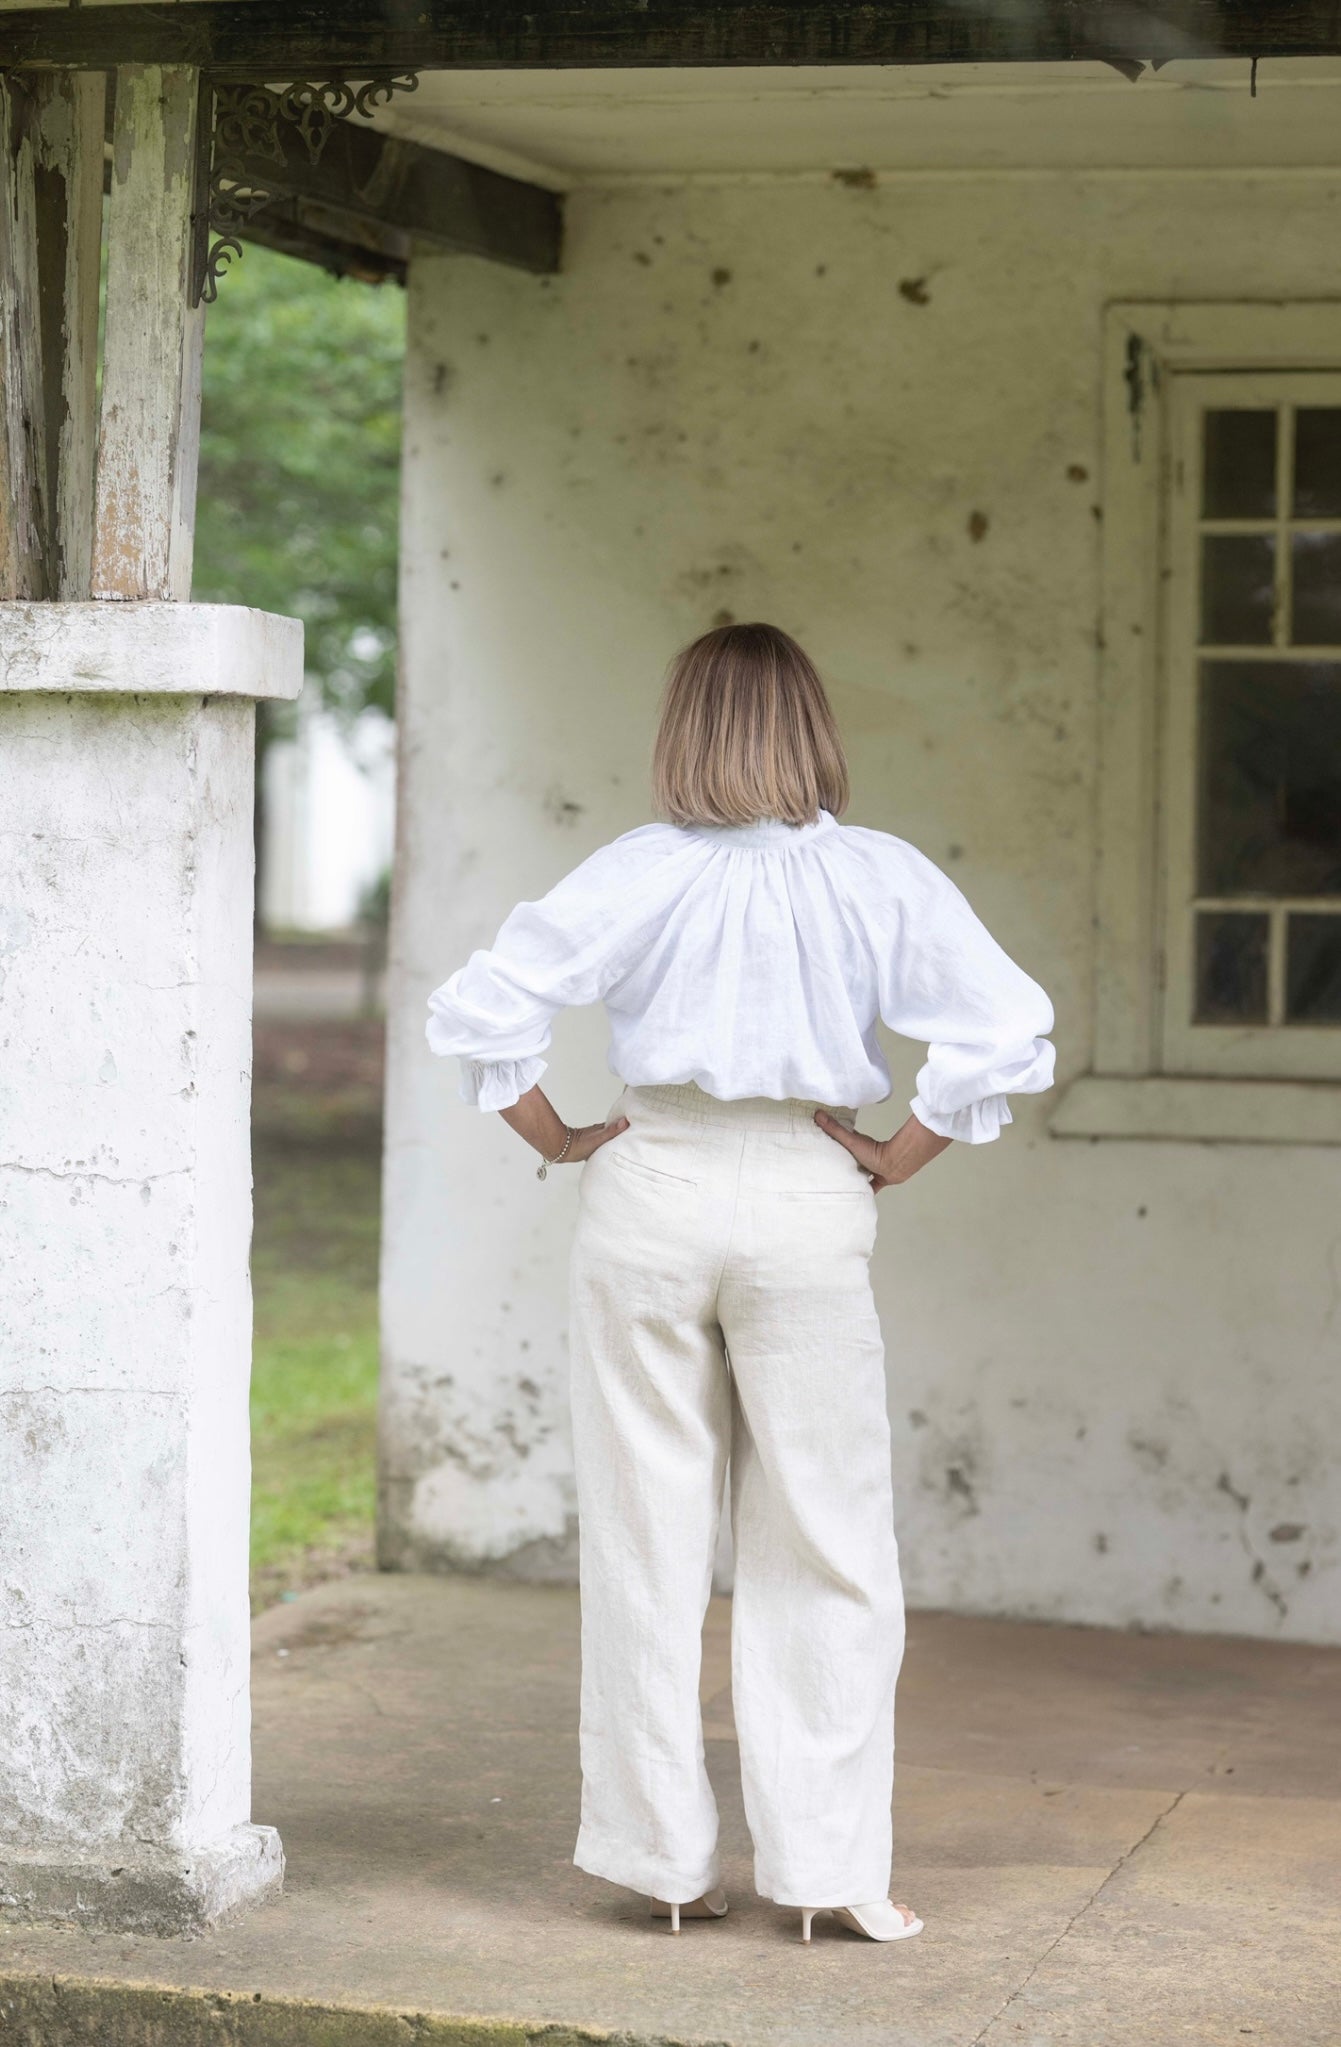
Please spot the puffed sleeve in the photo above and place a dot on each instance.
(560, 952)
(944, 979)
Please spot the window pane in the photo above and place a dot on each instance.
(1317, 462)
(1231, 967)
(1269, 778)
(1315, 619)
(1239, 465)
(1237, 589)
(1313, 970)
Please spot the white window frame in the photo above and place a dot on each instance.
(1147, 346)
(1276, 1050)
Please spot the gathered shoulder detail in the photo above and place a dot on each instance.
(894, 870)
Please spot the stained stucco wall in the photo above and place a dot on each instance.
(871, 414)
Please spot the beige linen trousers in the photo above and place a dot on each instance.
(721, 1309)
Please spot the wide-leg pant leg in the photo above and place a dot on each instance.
(817, 1625)
(651, 1433)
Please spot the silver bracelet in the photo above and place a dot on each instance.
(558, 1158)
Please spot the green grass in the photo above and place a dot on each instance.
(314, 1364)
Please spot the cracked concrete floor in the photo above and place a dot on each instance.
(1114, 1839)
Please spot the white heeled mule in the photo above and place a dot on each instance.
(712, 1905)
(880, 1921)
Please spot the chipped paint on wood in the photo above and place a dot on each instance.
(23, 501)
(149, 430)
(50, 231)
(70, 119)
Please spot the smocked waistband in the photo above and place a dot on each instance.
(688, 1102)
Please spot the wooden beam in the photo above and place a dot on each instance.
(375, 182)
(69, 111)
(345, 247)
(267, 39)
(295, 227)
(150, 428)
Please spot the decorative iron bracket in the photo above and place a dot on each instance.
(241, 124)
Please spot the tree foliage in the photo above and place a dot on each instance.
(300, 464)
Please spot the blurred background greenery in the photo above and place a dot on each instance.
(300, 464)
(316, 1149)
(297, 513)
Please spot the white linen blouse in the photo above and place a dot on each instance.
(755, 960)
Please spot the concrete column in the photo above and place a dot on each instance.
(126, 762)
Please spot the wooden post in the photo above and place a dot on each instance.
(70, 118)
(150, 428)
(23, 478)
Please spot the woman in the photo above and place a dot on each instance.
(721, 1306)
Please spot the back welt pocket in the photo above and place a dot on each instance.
(642, 1172)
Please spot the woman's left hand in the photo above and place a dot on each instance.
(892, 1160)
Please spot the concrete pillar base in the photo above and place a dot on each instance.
(127, 735)
(160, 1893)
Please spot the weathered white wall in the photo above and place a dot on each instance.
(1112, 1366)
(125, 1218)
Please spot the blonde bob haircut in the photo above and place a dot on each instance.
(746, 733)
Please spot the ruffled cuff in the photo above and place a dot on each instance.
(977, 1123)
(498, 1083)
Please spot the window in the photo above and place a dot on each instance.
(1251, 784)
(1217, 1011)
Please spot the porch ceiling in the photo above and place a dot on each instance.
(574, 127)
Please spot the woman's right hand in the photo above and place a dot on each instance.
(892, 1160)
(591, 1137)
(534, 1118)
